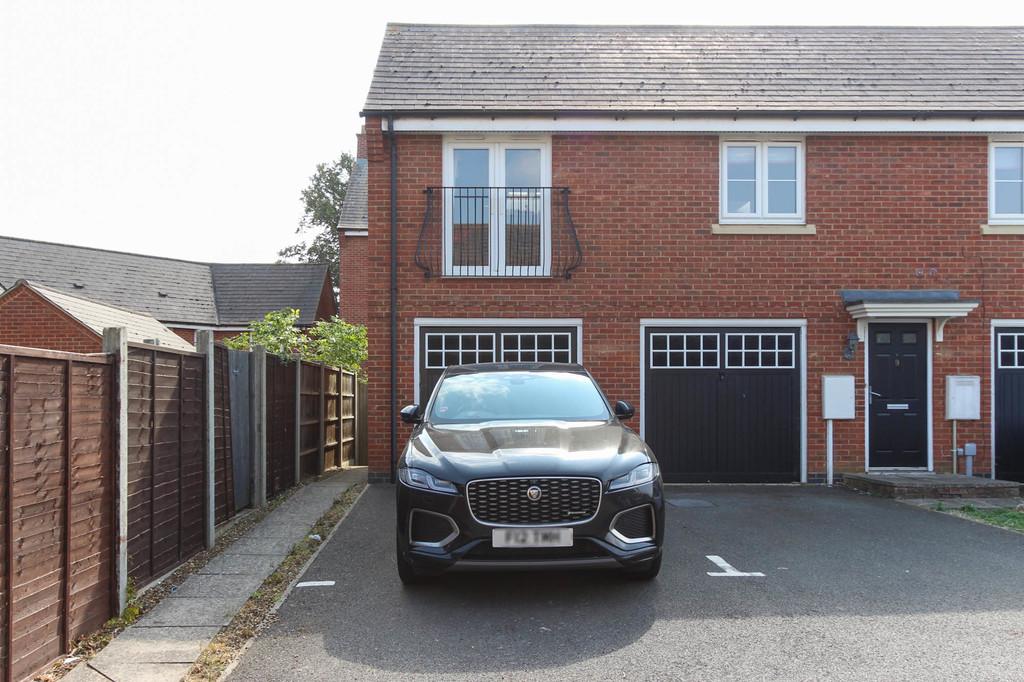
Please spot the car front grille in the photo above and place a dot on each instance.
(505, 501)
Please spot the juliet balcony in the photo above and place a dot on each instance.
(498, 232)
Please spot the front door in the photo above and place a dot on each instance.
(1009, 404)
(898, 395)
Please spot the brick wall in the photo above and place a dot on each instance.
(354, 272)
(28, 319)
(891, 212)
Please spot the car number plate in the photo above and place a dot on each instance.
(531, 537)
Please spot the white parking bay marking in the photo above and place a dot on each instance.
(316, 583)
(727, 570)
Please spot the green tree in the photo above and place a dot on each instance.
(333, 342)
(321, 202)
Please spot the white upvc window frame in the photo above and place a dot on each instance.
(761, 216)
(993, 217)
(497, 145)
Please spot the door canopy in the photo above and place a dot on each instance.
(875, 305)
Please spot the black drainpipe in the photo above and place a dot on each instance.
(394, 288)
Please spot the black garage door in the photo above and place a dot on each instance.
(723, 405)
(444, 346)
(1009, 407)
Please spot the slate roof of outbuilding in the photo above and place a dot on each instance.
(354, 215)
(698, 69)
(172, 291)
(98, 316)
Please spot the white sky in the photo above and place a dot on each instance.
(188, 128)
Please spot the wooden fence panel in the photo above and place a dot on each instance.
(166, 471)
(332, 419)
(224, 483)
(311, 416)
(347, 451)
(56, 420)
(280, 387)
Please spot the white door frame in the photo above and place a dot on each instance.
(800, 324)
(489, 322)
(930, 341)
(993, 332)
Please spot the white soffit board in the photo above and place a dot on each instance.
(667, 124)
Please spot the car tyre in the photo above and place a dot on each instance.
(648, 572)
(407, 573)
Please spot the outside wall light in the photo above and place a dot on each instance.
(850, 349)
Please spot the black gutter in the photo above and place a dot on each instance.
(393, 145)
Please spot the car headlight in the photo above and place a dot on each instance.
(645, 473)
(417, 478)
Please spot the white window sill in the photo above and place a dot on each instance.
(1003, 228)
(763, 229)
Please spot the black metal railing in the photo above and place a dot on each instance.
(498, 232)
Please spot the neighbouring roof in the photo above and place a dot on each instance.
(98, 316)
(246, 292)
(172, 291)
(354, 214)
(698, 69)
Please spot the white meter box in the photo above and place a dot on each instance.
(838, 396)
(963, 397)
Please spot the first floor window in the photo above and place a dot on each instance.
(497, 207)
(1007, 181)
(762, 181)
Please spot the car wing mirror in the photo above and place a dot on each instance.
(411, 414)
(623, 410)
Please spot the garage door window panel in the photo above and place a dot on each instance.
(1011, 351)
(536, 347)
(684, 351)
(444, 350)
(760, 351)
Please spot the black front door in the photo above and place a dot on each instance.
(898, 395)
(1009, 405)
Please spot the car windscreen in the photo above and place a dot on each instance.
(493, 396)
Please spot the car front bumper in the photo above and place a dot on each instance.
(594, 545)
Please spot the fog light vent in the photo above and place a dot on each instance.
(634, 525)
(431, 529)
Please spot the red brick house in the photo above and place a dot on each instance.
(184, 295)
(711, 220)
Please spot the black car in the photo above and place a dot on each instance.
(525, 466)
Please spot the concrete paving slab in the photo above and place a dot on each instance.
(218, 585)
(145, 672)
(265, 545)
(285, 528)
(193, 611)
(234, 564)
(156, 645)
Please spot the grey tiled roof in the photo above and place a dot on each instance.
(353, 211)
(246, 292)
(698, 69)
(172, 291)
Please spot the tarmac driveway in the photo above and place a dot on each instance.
(853, 587)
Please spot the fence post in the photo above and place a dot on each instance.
(258, 405)
(115, 341)
(322, 417)
(204, 344)
(298, 418)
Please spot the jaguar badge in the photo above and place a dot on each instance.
(534, 493)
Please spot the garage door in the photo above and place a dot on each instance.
(723, 404)
(449, 345)
(1009, 405)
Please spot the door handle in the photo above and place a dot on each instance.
(877, 395)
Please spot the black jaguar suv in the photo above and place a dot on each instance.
(525, 466)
